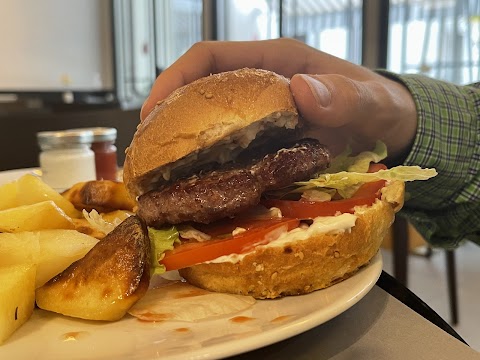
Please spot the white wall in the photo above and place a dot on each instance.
(55, 45)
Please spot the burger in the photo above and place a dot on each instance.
(238, 199)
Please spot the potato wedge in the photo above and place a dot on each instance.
(43, 215)
(105, 283)
(20, 248)
(8, 195)
(31, 189)
(17, 297)
(52, 250)
(101, 195)
(58, 250)
(83, 226)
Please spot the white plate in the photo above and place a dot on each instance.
(11, 175)
(51, 336)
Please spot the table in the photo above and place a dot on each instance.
(380, 326)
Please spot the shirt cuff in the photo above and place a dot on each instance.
(444, 209)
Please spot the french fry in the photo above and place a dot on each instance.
(43, 215)
(31, 189)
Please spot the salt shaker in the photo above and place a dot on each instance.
(66, 157)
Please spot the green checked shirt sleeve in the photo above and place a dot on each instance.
(445, 209)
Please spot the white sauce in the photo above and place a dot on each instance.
(320, 225)
(228, 148)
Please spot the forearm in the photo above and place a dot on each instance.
(445, 209)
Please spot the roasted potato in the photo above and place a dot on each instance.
(20, 248)
(84, 227)
(17, 297)
(101, 195)
(58, 250)
(42, 215)
(8, 195)
(31, 189)
(51, 250)
(105, 283)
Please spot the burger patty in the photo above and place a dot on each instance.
(295, 163)
(223, 193)
(201, 199)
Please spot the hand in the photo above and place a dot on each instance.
(344, 103)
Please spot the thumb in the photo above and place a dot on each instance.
(332, 100)
(340, 111)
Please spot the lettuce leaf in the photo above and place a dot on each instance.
(160, 241)
(347, 182)
(359, 163)
(347, 172)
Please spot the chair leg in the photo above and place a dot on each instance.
(400, 250)
(452, 285)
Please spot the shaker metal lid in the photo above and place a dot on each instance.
(48, 139)
(102, 133)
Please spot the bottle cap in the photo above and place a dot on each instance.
(101, 134)
(62, 138)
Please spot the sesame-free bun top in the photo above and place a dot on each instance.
(201, 114)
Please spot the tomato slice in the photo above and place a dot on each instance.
(369, 189)
(189, 254)
(366, 194)
(224, 227)
(374, 167)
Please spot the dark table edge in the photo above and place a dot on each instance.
(403, 294)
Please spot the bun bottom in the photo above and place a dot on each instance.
(303, 266)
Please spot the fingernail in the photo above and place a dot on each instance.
(319, 90)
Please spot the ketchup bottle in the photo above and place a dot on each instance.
(103, 145)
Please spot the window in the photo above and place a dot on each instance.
(248, 19)
(438, 38)
(331, 26)
(178, 25)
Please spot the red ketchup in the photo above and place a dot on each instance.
(103, 146)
